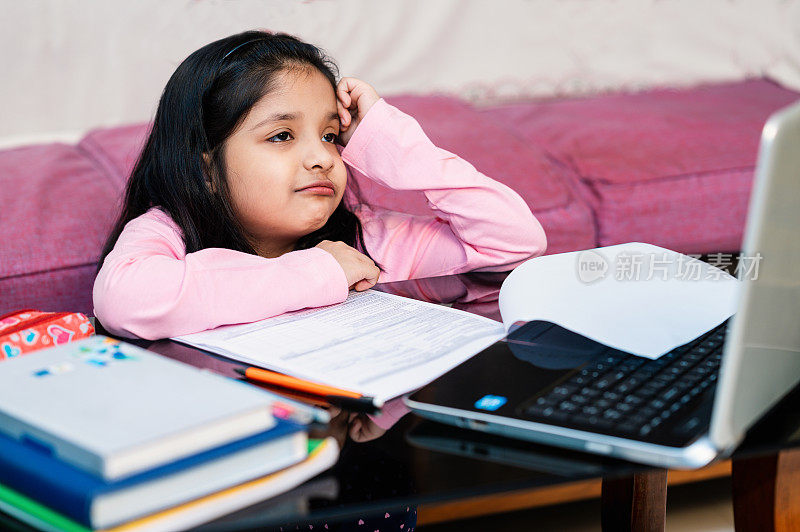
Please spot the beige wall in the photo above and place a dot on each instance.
(70, 65)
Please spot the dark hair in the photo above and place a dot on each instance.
(203, 103)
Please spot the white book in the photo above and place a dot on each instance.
(114, 409)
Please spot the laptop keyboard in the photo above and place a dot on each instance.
(633, 395)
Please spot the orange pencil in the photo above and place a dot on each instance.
(285, 381)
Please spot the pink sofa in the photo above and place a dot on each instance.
(669, 167)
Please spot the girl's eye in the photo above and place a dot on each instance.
(282, 134)
(282, 137)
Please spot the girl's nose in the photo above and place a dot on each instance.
(319, 156)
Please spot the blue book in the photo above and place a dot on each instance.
(97, 503)
(114, 409)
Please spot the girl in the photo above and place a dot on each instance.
(239, 207)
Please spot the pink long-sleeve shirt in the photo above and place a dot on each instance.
(149, 287)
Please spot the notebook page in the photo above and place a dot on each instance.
(639, 298)
(374, 343)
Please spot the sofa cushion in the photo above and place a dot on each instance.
(56, 208)
(546, 184)
(668, 167)
(115, 149)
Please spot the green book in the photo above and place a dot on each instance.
(37, 515)
(31, 512)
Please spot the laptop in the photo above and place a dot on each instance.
(546, 384)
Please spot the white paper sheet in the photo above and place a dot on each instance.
(635, 297)
(373, 343)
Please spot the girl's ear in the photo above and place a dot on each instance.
(207, 173)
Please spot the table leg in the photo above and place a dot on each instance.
(635, 503)
(766, 492)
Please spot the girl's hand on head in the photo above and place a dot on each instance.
(359, 269)
(353, 99)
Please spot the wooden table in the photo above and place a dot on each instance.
(765, 474)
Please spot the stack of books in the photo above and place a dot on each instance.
(99, 434)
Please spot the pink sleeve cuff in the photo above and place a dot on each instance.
(391, 413)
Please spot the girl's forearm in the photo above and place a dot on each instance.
(480, 223)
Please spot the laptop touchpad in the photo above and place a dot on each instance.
(550, 346)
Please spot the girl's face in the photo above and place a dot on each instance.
(285, 174)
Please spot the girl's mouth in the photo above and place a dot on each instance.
(321, 188)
